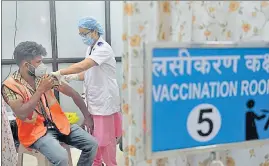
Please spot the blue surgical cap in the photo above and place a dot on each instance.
(91, 24)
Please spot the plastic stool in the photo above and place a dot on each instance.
(41, 159)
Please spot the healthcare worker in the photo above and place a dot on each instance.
(98, 71)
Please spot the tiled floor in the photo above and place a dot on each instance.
(31, 161)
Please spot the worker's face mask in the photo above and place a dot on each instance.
(38, 71)
(88, 40)
(87, 37)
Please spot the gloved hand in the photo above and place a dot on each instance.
(58, 75)
(71, 77)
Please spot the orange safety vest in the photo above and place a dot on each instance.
(31, 129)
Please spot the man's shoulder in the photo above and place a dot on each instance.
(4, 88)
(8, 94)
(11, 79)
(11, 76)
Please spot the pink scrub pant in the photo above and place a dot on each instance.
(106, 129)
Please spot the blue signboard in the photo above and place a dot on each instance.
(207, 96)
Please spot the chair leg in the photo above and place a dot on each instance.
(47, 163)
(69, 156)
(42, 160)
(20, 159)
(68, 150)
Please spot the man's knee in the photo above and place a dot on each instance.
(91, 146)
(95, 147)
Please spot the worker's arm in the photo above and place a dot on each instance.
(99, 55)
(81, 76)
(74, 77)
(78, 67)
(15, 101)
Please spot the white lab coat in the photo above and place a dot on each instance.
(100, 85)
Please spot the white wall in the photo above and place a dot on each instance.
(68, 14)
(33, 23)
(116, 19)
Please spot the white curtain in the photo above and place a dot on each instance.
(9, 154)
(186, 21)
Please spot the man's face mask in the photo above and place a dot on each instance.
(39, 71)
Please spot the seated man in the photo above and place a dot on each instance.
(40, 119)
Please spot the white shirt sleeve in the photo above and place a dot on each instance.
(100, 55)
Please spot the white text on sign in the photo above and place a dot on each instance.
(204, 64)
(207, 90)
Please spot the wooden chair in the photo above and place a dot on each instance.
(41, 159)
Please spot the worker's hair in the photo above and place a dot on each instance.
(28, 50)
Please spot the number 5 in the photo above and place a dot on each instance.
(209, 121)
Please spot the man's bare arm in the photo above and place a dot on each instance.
(22, 110)
(68, 91)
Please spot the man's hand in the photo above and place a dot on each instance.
(88, 123)
(71, 77)
(46, 84)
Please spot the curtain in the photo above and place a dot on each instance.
(9, 154)
(182, 21)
